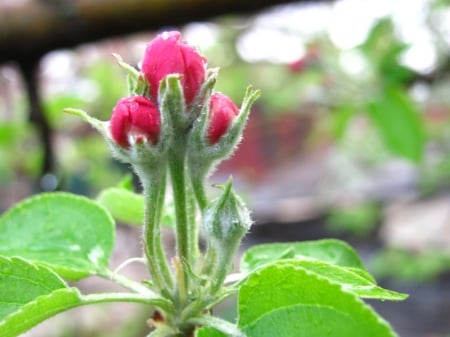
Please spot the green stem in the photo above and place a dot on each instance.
(126, 282)
(154, 190)
(185, 233)
(198, 186)
(194, 234)
(178, 178)
(126, 297)
(222, 266)
(209, 262)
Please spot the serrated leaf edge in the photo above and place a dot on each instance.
(341, 243)
(363, 306)
(15, 330)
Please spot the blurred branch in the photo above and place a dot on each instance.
(33, 28)
(441, 72)
(36, 114)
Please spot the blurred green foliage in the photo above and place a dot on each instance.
(358, 219)
(407, 266)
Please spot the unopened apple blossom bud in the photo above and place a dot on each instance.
(167, 54)
(222, 112)
(226, 219)
(135, 116)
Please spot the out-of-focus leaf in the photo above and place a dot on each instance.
(55, 105)
(341, 119)
(399, 123)
(128, 207)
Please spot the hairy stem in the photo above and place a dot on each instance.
(198, 186)
(126, 282)
(178, 179)
(154, 190)
(126, 297)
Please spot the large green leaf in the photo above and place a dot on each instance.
(329, 250)
(352, 280)
(21, 282)
(39, 310)
(29, 294)
(285, 300)
(332, 259)
(72, 235)
(399, 123)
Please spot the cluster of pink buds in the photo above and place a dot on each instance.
(138, 118)
(174, 125)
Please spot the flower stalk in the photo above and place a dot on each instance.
(154, 186)
(174, 127)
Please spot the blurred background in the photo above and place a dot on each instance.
(350, 138)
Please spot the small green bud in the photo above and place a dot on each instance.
(226, 220)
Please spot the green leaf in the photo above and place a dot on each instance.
(29, 294)
(128, 207)
(21, 282)
(285, 300)
(399, 123)
(39, 310)
(341, 119)
(349, 279)
(72, 235)
(329, 250)
(125, 206)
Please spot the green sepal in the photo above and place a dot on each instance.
(228, 142)
(94, 122)
(204, 93)
(103, 128)
(137, 85)
(130, 70)
(138, 153)
(174, 119)
(202, 156)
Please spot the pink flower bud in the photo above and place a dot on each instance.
(222, 112)
(165, 55)
(136, 115)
